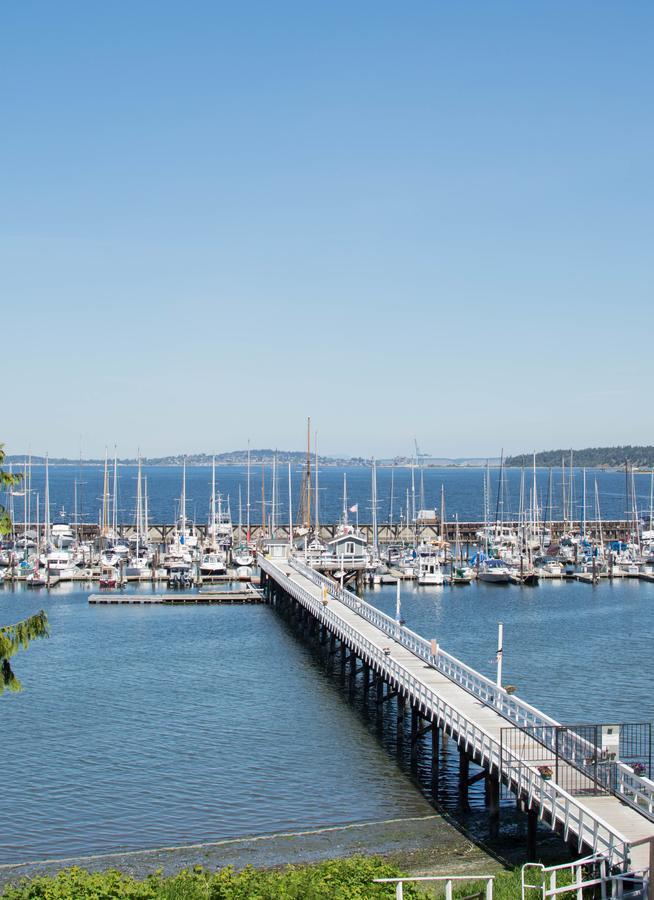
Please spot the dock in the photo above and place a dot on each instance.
(507, 737)
(176, 598)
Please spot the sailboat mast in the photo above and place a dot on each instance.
(290, 504)
(572, 492)
(139, 507)
(390, 508)
(273, 496)
(563, 496)
(212, 505)
(183, 500)
(598, 516)
(247, 500)
(375, 541)
(308, 484)
(46, 503)
(316, 498)
(115, 493)
(344, 498)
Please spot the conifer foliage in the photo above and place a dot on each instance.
(17, 636)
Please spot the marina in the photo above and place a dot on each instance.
(534, 525)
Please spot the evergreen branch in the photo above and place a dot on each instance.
(13, 638)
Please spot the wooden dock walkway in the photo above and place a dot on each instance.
(476, 713)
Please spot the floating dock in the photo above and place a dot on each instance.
(172, 598)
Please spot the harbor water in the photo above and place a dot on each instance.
(154, 726)
(463, 490)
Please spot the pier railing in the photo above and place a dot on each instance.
(633, 789)
(547, 796)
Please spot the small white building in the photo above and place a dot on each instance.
(348, 550)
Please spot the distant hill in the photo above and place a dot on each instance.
(257, 457)
(589, 457)
(232, 457)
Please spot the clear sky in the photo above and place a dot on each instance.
(429, 219)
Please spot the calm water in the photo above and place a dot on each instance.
(464, 492)
(142, 727)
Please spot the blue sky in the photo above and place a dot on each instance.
(429, 219)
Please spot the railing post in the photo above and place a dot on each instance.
(399, 891)
(448, 889)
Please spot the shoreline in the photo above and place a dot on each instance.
(432, 843)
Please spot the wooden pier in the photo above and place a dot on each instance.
(447, 697)
(617, 529)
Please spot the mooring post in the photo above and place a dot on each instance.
(353, 671)
(435, 763)
(415, 716)
(532, 830)
(399, 721)
(464, 774)
(493, 783)
(366, 680)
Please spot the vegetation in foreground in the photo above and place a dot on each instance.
(346, 879)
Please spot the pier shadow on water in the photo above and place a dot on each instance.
(390, 725)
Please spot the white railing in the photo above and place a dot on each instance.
(447, 880)
(638, 792)
(547, 796)
(593, 871)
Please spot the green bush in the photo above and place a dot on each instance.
(347, 879)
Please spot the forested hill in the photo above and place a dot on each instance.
(641, 457)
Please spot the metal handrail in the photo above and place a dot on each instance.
(589, 827)
(635, 790)
(447, 880)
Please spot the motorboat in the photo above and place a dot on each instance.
(179, 575)
(108, 578)
(494, 571)
(243, 556)
(213, 563)
(428, 570)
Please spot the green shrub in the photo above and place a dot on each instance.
(346, 879)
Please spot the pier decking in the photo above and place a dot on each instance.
(454, 699)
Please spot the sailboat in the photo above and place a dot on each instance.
(460, 573)
(139, 565)
(214, 558)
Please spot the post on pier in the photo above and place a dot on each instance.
(532, 831)
(493, 795)
(464, 775)
(435, 763)
(415, 717)
(400, 713)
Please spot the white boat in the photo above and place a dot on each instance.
(59, 562)
(428, 570)
(62, 536)
(214, 563)
(243, 556)
(179, 575)
(462, 575)
(139, 567)
(494, 571)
